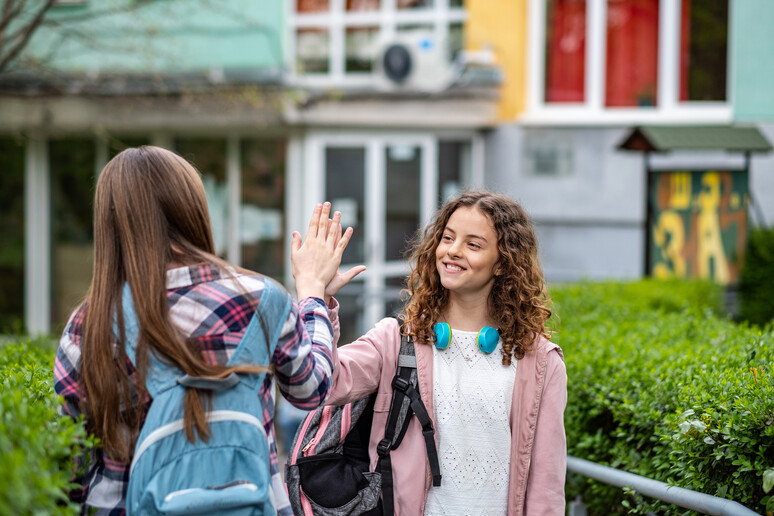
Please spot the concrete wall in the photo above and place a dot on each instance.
(169, 36)
(590, 216)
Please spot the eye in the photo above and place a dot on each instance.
(446, 238)
(475, 245)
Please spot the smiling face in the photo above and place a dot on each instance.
(467, 253)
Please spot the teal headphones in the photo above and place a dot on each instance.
(487, 338)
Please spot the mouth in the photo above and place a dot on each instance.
(450, 267)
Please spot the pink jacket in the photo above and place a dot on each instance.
(538, 445)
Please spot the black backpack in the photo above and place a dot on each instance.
(330, 475)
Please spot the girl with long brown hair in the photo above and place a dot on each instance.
(493, 383)
(152, 233)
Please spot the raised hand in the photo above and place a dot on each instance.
(315, 261)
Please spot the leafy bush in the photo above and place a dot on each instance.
(36, 444)
(662, 386)
(756, 283)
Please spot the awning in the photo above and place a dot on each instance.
(700, 137)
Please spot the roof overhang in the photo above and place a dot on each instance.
(695, 137)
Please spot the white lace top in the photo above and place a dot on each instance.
(472, 396)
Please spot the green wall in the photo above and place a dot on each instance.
(752, 59)
(171, 36)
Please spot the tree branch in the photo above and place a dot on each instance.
(22, 36)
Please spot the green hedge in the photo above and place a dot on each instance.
(36, 445)
(661, 385)
(756, 282)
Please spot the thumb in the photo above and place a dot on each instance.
(351, 273)
(295, 245)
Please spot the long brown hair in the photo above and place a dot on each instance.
(150, 212)
(518, 303)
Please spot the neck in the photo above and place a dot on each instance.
(468, 314)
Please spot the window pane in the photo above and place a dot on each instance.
(351, 300)
(361, 49)
(414, 4)
(345, 189)
(632, 53)
(362, 5)
(312, 6)
(11, 236)
(392, 293)
(454, 166)
(209, 158)
(456, 3)
(565, 50)
(403, 170)
(703, 46)
(261, 228)
(72, 164)
(312, 48)
(456, 40)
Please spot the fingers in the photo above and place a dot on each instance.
(314, 221)
(322, 222)
(334, 229)
(344, 240)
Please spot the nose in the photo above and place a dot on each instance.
(456, 248)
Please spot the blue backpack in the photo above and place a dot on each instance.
(230, 473)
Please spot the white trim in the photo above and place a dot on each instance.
(37, 236)
(176, 426)
(596, 41)
(668, 55)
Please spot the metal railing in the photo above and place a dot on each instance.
(679, 496)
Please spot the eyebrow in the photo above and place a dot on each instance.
(447, 228)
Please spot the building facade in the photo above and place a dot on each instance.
(384, 107)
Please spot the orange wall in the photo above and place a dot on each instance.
(502, 26)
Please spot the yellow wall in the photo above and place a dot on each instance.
(502, 26)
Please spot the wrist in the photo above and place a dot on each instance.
(310, 288)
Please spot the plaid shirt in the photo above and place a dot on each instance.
(212, 311)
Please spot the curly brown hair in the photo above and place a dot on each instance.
(519, 301)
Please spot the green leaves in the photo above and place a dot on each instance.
(37, 446)
(662, 385)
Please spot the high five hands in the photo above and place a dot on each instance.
(315, 261)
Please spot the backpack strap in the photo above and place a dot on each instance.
(161, 375)
(406, 400)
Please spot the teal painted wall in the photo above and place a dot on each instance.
(169, 36)
(752, 59)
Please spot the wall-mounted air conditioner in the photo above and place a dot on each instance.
(414, 61)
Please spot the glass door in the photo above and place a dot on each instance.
(386, 186)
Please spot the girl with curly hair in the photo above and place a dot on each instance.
(493, 383)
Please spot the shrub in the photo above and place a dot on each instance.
(756, 282)
(662, 386)
(36, 444)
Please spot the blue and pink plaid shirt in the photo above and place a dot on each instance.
(212, 311)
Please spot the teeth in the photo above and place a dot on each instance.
(453, 267)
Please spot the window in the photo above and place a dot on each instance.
(338, 41)
(565, 50)
(628, 58)
(703, 47)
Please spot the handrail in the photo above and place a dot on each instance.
(679, 496)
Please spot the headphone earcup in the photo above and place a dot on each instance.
(442, 335)
(487, 339)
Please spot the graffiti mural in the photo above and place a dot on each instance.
(698, 224)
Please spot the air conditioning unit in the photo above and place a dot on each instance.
(414, 61)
